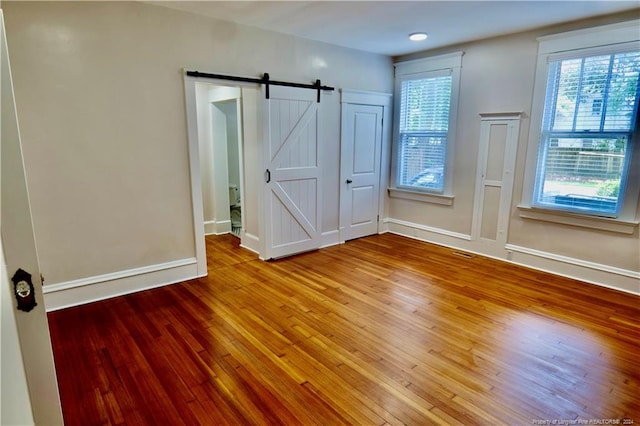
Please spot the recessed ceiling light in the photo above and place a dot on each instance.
(418, 36)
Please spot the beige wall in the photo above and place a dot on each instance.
(101, 106)
(498, 76)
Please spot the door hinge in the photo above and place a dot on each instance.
(378, 218)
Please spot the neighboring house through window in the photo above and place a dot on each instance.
(426, 98)
(583, 155)
(588, 125)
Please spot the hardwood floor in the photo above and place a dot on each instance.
(381, 330)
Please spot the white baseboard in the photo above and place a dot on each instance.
(250, 242)
(415, 228)
(212, 227)
(86, 290)
(590, 272)
(91, 289)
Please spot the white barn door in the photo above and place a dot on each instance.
(292, 172)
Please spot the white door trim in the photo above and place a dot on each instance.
(374, 99)
(194, 167)
(194, 163)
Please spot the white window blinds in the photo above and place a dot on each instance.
(589, 118)
(424, 124)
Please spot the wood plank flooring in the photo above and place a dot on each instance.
(381, 330)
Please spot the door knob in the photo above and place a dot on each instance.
(24, 291)
(349, 181)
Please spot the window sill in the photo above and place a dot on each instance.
(406, 194)
(593, 222)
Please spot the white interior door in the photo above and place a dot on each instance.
(494, 180)
(29, 328)
(360, 169)
(292, 172)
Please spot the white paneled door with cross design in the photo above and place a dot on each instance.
(292, 172)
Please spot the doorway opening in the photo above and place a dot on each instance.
(221, 165)
(219, 120)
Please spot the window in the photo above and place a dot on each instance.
(424, 123)
(426, 99)
(589, 119)
(583, 156)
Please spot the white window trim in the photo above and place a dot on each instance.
(452, 62)
(427, 197)
(602, 38)
(594, 222)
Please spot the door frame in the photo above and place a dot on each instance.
(222, 198)
(379, 99)
(194, 160)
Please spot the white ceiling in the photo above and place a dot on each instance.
(383, 26)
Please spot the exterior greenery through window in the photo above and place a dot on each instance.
(424, 124)
(590, 115)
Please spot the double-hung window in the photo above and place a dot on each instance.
(424, 123)
(584, 153)
(589, 120)
(426, 101)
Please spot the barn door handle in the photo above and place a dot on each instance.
(268, 175)
(349, 181)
